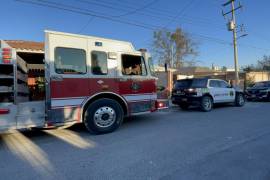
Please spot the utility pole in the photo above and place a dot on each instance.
(233, 27)
(172, 58)
(236, 66)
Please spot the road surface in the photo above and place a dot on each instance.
(226, 143)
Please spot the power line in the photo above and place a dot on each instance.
(138, 9)
(154, 14)
(165, 12)
(86, 25)
(125, 14)
(181, 12)
(82, 11)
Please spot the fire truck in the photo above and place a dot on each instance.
(75, 79)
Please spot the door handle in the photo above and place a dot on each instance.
(57, 78)
(123, 79)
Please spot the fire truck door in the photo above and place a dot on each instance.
(136, 84)
(69, 83)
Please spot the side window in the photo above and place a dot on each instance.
(99, 64)
(69, 60)
(223, 84)
(133, 65)
(214, 83)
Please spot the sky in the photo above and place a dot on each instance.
(135, 21)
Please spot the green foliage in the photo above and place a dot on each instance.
(250, 81)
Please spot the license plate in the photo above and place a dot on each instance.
(180, 93)
(184, 99)
(253, 96)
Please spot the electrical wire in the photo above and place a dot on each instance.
(84, 12)
(86, 25)
(78, 10)
(160, 15)
(180, 13)
(138, 9)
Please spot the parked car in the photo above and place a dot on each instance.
(260, 91)
(204, 92)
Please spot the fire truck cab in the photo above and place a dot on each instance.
(90, 80)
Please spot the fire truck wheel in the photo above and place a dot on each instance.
(103, 116)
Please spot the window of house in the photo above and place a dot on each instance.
(69, 61)
(99, 63)
(133, 65)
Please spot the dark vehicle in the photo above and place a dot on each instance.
(204, 93)
(260, 91)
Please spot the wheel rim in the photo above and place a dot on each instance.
(104, 117)
(241, 100)
(207, 103)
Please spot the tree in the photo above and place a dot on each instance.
(261, 65)
(249, 68)
(172, 47)
(264, 64)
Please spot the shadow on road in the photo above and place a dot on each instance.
(28, 147)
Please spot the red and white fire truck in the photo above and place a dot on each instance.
(75, 79)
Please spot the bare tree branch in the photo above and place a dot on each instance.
(173, 47)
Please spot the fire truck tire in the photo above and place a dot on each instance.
(103, 116)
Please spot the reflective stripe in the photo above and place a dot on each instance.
(67, 102)
(77, 101)
(140, 97)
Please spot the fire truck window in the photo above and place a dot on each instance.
(133, 65)
(99, 63)
(69, 61)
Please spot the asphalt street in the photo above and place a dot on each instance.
(226, 143)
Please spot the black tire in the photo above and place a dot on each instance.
(184, 106)
(206, 104)
(240, 100)
(93, 116)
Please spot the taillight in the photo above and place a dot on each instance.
(6, 55)
(191, 90)
(160, 104)
(4, 111)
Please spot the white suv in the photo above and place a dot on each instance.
(205, 92)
